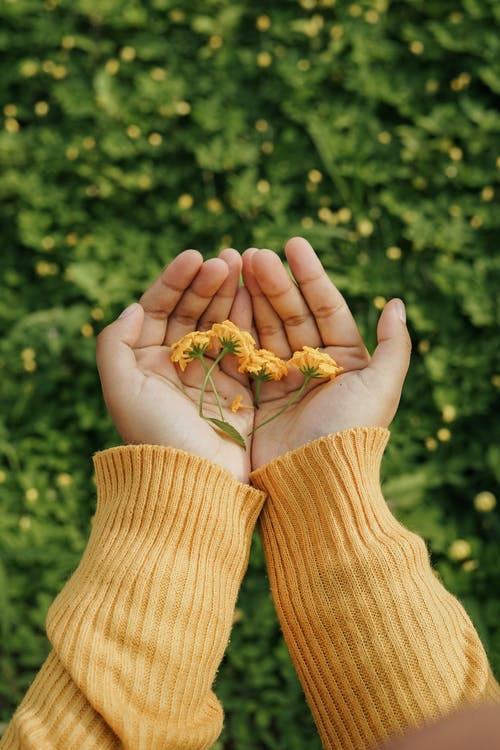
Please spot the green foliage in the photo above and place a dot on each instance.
(135, 129)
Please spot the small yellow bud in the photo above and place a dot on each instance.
(365, 227)
(379, 302)
(416, 47)
(431, 444)
(158, 74)
(25, 523)
(64, 479)
(182, 108)
(344, 215)
(112, 66)
(449, 413)
(31, 495)
(384, 137)
(185, 201)
(29, 68)
(68, 42)
(460, 549)
(11, 125)
(470, 565)
(59, 72)
(264, 59)
(128, 54)
(443, 434)
(215, 41)
(134, 132)
(48, 243)
(41, 108)
(155, 139)
(86, 330)
(72, 153)
(394, 252)
(214, 206)
(263, 187)
(487, 194)
(263, 23)
(424, 346)
(314, 176)
(485, 502)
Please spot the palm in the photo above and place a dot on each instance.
(149, 398)
(315, 314)
(327, 407)
(165, 391)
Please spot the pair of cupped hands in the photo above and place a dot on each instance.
(152, 401)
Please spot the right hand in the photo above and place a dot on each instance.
(312, 312)
(150, 400)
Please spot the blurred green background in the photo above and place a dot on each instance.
(133, 130)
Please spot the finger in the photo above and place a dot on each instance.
(391, 358)
(331, 313)
(163, 295)
(196, 299)
(286, 299)
(240, 315)
(220, 306)
(270, 330)
(115, 357)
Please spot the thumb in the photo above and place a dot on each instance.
(391, 358)
(114, 354)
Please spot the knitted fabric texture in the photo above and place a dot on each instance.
(378, 643)
(139, 630)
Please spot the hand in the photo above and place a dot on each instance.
(149, 398)
(312, 312)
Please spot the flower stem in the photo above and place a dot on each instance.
(290, 403)
(208, 379)
(256, 395)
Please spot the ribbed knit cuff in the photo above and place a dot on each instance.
(333, 479)
(378, 644)
(141, 627)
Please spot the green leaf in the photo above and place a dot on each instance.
(228, 429)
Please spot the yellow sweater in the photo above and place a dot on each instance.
(139, 630)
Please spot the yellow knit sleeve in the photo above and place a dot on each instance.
(379, 645)
(140, 628)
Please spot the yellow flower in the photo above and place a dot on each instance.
(261, 363)
(314, 363)
(232, 338)
(189, 347)
(238, 404)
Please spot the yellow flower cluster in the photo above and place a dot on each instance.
(258, 363)
(190, 346)
(263, 363)
(314, 363)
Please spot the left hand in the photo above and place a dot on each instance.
(313, 312)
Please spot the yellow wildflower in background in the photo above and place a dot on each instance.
(263, 363)
(315, 364)
(189, 347)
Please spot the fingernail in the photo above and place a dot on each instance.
(127, 311)
(401, 310)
